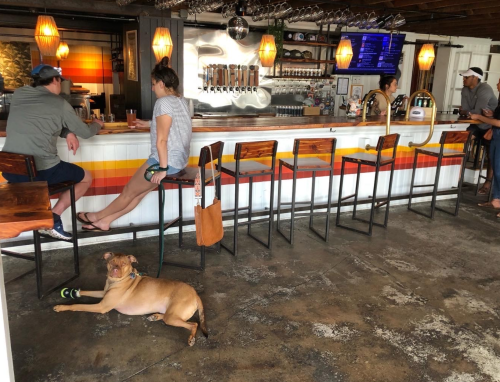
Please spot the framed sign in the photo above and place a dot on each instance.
(357, 92)
(132, 66)
(342, 85)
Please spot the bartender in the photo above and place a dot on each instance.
(389, 85)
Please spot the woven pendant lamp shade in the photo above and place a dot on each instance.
(267, 50)
(426, 57)
(46, 35)
(162, 43)
(344, 54)
(62, 51)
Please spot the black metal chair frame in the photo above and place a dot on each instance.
(37, 258)
(377, 164)
(464, 155)
(484, 147)
(290, 236)
(270, 219)
(204, 156)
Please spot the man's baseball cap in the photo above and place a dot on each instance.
(476, 72)
(45, 71)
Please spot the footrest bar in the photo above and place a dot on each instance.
(348, 197)
(171, 223)
(424, 185)
(18, 255)
(258, 240)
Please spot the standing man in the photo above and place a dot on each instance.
(477, 96)
(38, 116)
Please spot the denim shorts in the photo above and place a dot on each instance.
(61, 172)
(171, 170)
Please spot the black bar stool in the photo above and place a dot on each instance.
(384, 143)
(187, 177)
(485, 145)
(307, 147)
(21, 164)
(250, 169)
(447, 137)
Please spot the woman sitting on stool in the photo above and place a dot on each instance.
(493, 118)
(171, 131)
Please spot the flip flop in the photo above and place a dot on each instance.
(95, 229)
(81, 220)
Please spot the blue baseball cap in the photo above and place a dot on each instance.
(46, 71)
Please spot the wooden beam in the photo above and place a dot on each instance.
(453, 4)
(409, 3)
(467, 7)
(88, 6)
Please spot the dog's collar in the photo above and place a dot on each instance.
(134, 274)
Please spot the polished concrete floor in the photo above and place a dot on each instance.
(419, 301)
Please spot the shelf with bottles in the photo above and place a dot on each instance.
(300, 77)
(305, 61)
(309, 43)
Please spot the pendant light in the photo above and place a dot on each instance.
(162, 43)
(426, 57)
(267, 50)
(63, 50)
(344, 54)
(46, 35)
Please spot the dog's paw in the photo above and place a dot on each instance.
(191, 341)
(155, 317)
(58, 308)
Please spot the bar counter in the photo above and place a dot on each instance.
(114, 155)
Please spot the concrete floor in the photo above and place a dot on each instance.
(416, 302)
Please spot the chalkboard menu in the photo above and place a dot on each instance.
(373, 53)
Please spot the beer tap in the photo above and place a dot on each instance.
(244, 75)
(213, 77)
(226, 79)
(238, 88)
(256, 77)
(205, 79)
(232, 77)
(220, 77)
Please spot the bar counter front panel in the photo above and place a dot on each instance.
(114, 155)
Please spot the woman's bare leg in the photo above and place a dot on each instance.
(137, 186)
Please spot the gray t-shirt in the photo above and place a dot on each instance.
(37, 117)
(179, 137)
(481, 97)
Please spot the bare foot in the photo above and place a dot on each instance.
(495, 203)
(485, 190)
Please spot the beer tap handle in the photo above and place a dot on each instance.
(256, 75)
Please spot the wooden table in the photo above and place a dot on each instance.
(23, 207)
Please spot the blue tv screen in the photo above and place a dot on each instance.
(373, 53)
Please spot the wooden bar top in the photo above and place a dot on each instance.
(24, 207)
(281, 123)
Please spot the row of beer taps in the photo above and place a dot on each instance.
(219, 78)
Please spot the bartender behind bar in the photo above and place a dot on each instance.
(38, 116)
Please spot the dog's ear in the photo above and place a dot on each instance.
(108, 255)
(132, 259)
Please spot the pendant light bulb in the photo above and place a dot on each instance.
(426, 57)
(47, 35)
(344, 54)
(267, 50)
(162, 43)
(63, 51)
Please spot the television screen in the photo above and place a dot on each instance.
(373, 53)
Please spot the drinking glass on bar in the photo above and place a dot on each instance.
(131, 116)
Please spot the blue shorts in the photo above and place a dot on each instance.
(171, 170)
(61, 172)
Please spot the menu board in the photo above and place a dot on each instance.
(373, 53)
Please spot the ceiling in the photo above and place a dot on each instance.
(441, 17)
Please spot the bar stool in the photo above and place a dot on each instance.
(21, 164)
(384, 143)
(447, 137)
(187, 177)
(485, 145)
(307, 147)
(250, 169)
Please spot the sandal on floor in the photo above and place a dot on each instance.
(81, 220)
(488, 204)
(95, 228)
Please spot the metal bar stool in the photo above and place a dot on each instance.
(485, 145)
(305, 147)
(21, 164)
(250, 169)
(384, 143)
(187, 177)
(447, 137)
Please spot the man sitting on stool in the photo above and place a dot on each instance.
(477, 96)
(38, 116)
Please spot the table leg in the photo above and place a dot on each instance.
(6, 367)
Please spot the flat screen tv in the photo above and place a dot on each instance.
(373, 53)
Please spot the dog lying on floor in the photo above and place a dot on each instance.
(129, 293)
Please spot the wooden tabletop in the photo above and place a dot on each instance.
(24, 207)
(281, 123)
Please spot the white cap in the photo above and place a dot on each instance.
(470, 72)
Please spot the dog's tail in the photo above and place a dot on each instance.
(201, 314)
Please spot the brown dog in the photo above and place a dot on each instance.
(174, 302)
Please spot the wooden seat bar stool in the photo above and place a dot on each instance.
(447, 137)
(242, 168)
(21, 164)
(187, 177)
(378, 161)
(308, 146)
(485, 145)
